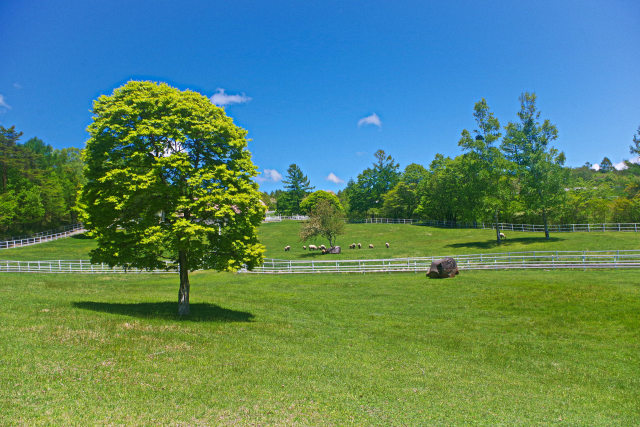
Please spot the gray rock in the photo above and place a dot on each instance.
(443, 268)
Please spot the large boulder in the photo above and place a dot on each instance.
(333, 250)
(443, 268)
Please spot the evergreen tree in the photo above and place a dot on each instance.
(296, 186)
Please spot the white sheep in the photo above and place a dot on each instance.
(370, 246)
(387, 245)
(313, 247)
(323, 247)
(304, 248)
(287, 248)
(359, 246)
(502, 236)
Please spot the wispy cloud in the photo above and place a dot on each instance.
(333, 178)
(17, 85)
(360, 153)
(373, 119)
(270, 175)
(3, 103)
(221, 99)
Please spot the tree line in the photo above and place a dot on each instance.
(38, 184)
(510, 173)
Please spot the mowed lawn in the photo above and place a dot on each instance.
(405, 241)
(488, 347)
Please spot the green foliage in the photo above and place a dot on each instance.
(325, 220)
(310, 202)
(606, 165)
(365, 194)
(297, 187)
(635, 147)
(169, 178)
(537, 164)
(45, 179)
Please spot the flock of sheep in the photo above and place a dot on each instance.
(323, 248)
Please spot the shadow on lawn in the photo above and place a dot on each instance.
(82, 236)
(491, 244)
(200, 312)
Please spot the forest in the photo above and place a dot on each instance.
(505, 174)
(510, 173)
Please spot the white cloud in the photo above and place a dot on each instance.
(3, 103)
(595, 167)
(270, 175)
(17, 85)
(370, 120)
(333, 178)
(620, 166)
(221, 99)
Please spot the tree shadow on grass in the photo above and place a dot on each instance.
(200, 312)
(82, 236)
(492, 244)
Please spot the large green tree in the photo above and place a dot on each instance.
(297, 187)
(365, 194)
(325, 220)
(310, 202)
(169, 184)
(538, 165)
(486, 161)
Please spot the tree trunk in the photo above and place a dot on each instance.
(497, 228)
(546, 227)
(183, 293)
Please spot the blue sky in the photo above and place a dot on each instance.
(306, 73)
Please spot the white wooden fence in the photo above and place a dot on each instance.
(555, 228)
(278, 218)
(507, 260)
(67, 266)
(43, 237)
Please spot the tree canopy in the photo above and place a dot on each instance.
(325, 220)
(296, 186)
(169, 184)
(310, 202)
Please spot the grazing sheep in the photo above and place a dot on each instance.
(502, 236)
(304, 248)
(370, 246)
(312, 247)
(387, 245)
(324, 251)
(359, 246)
(352, 246)
(287, 248)
(323, 247)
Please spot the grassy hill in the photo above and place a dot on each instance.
(405, 241)
(483, 348)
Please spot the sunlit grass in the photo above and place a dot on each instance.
(486, 347)
(404, 240)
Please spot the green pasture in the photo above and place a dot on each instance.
(404, 240)
(490, 347)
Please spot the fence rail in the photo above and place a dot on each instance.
(40, 238)
(555, 228)
(495, 261)
(508, 260)
(278, 218)
(67, 266)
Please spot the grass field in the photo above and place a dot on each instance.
(405, 240)
(486, 347)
